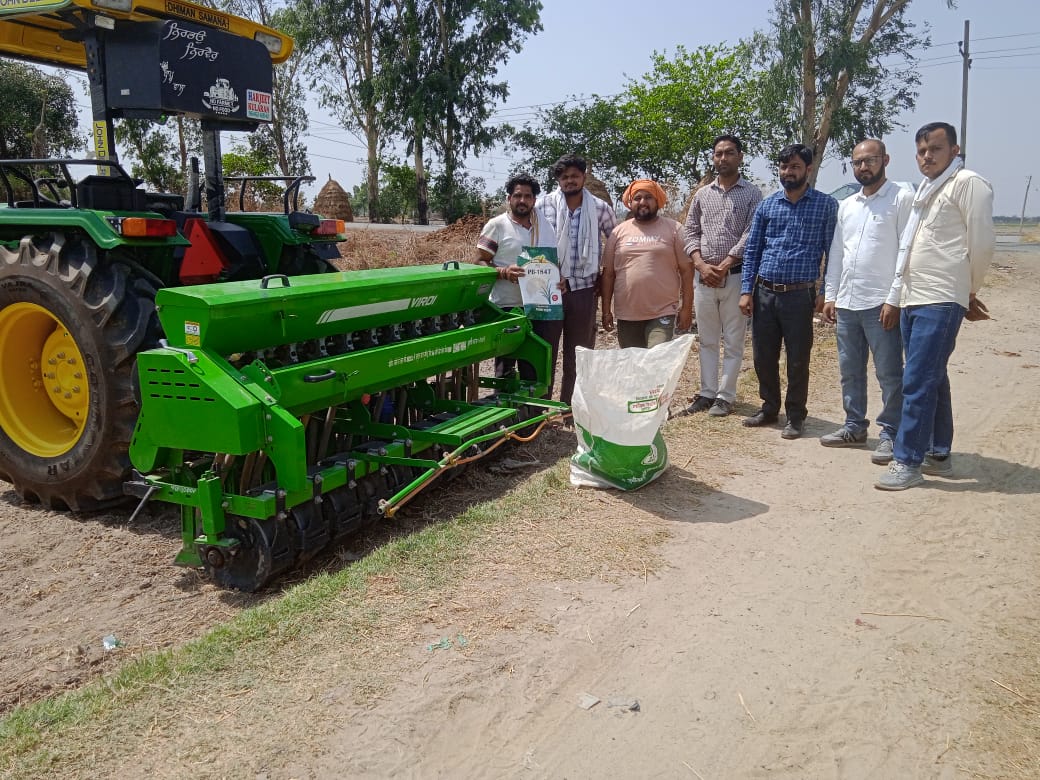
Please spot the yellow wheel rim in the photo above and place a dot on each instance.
(44, 394)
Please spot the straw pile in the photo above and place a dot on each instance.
(333, 202)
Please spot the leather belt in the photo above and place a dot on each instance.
(781, 288)
(736, 269)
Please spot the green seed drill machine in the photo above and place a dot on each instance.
(215, 359)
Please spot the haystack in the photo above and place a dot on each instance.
(333, 202)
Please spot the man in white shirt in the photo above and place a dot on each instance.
(944, 254)
(499, 245)
(860, 269)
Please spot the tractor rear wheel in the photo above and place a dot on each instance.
(72, 320)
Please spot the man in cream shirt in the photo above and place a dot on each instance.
(944, 254)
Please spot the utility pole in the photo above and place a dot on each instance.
(1022, 219)
(965, 50)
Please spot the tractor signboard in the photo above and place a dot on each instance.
(188, 69)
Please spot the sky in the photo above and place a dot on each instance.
(594, 46)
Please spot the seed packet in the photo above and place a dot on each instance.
(540, 284)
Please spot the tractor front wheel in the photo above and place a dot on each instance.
(72, 320)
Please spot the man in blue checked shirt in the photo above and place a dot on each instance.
(784, 262)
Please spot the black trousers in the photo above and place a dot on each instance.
(787, 318)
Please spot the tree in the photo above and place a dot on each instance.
(592, 128)
(282, 137)
(830, 72)
(249, 161)
(37, 113)
(458, 196)
(671, 115)
(342, 40)
(408, 83)
(662, 125)
(153, 153)
(398, 193)
(472, 38)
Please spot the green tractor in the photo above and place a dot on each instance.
(216, 360)
(83, 249)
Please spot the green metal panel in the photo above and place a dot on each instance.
(255, 315)
(195, 405)
(273, 233)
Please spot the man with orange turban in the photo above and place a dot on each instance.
(647, 275)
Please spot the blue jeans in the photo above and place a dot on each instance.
(858, 332)
(929, 336)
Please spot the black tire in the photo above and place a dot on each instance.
(108, 311)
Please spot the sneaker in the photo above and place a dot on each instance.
(882, 456)
(936, 466)
(720, 408)
(793, 429)
(700, 404)
(899, 477)
(844, 437)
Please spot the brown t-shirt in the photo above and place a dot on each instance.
(646, 257)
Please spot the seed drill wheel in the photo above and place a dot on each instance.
(265, 548)
(71, 321)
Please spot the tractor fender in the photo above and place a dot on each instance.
(93, 223)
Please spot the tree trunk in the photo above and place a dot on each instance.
(374, 212)
(422, 190)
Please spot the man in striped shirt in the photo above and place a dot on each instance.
(784, 261)
(716, 231)
(582, 223)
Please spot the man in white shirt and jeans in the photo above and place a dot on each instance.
(944, 254)
(860, 270)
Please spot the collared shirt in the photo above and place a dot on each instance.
(719, 220)
(504, 239)
(862, 261)
(953, 246)
(789, 241)
(585, 277)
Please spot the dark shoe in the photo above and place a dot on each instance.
(720, 408)
(700, 404)
(759, 419)
(937, 466)
(793, 429)
(844, 437)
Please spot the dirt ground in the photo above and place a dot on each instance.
(800, 623)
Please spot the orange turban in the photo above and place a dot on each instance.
(644, 185)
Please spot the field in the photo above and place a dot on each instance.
(771, 613)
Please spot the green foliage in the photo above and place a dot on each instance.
(661, 126)
(398, 195)
(470, 41)
(670, 116)
(458, 196)
(153, 150)
(345, 56)
(250, 161)
(838, 69)
(593, 128)
(27, 95)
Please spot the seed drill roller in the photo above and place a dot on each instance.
(284, 413)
